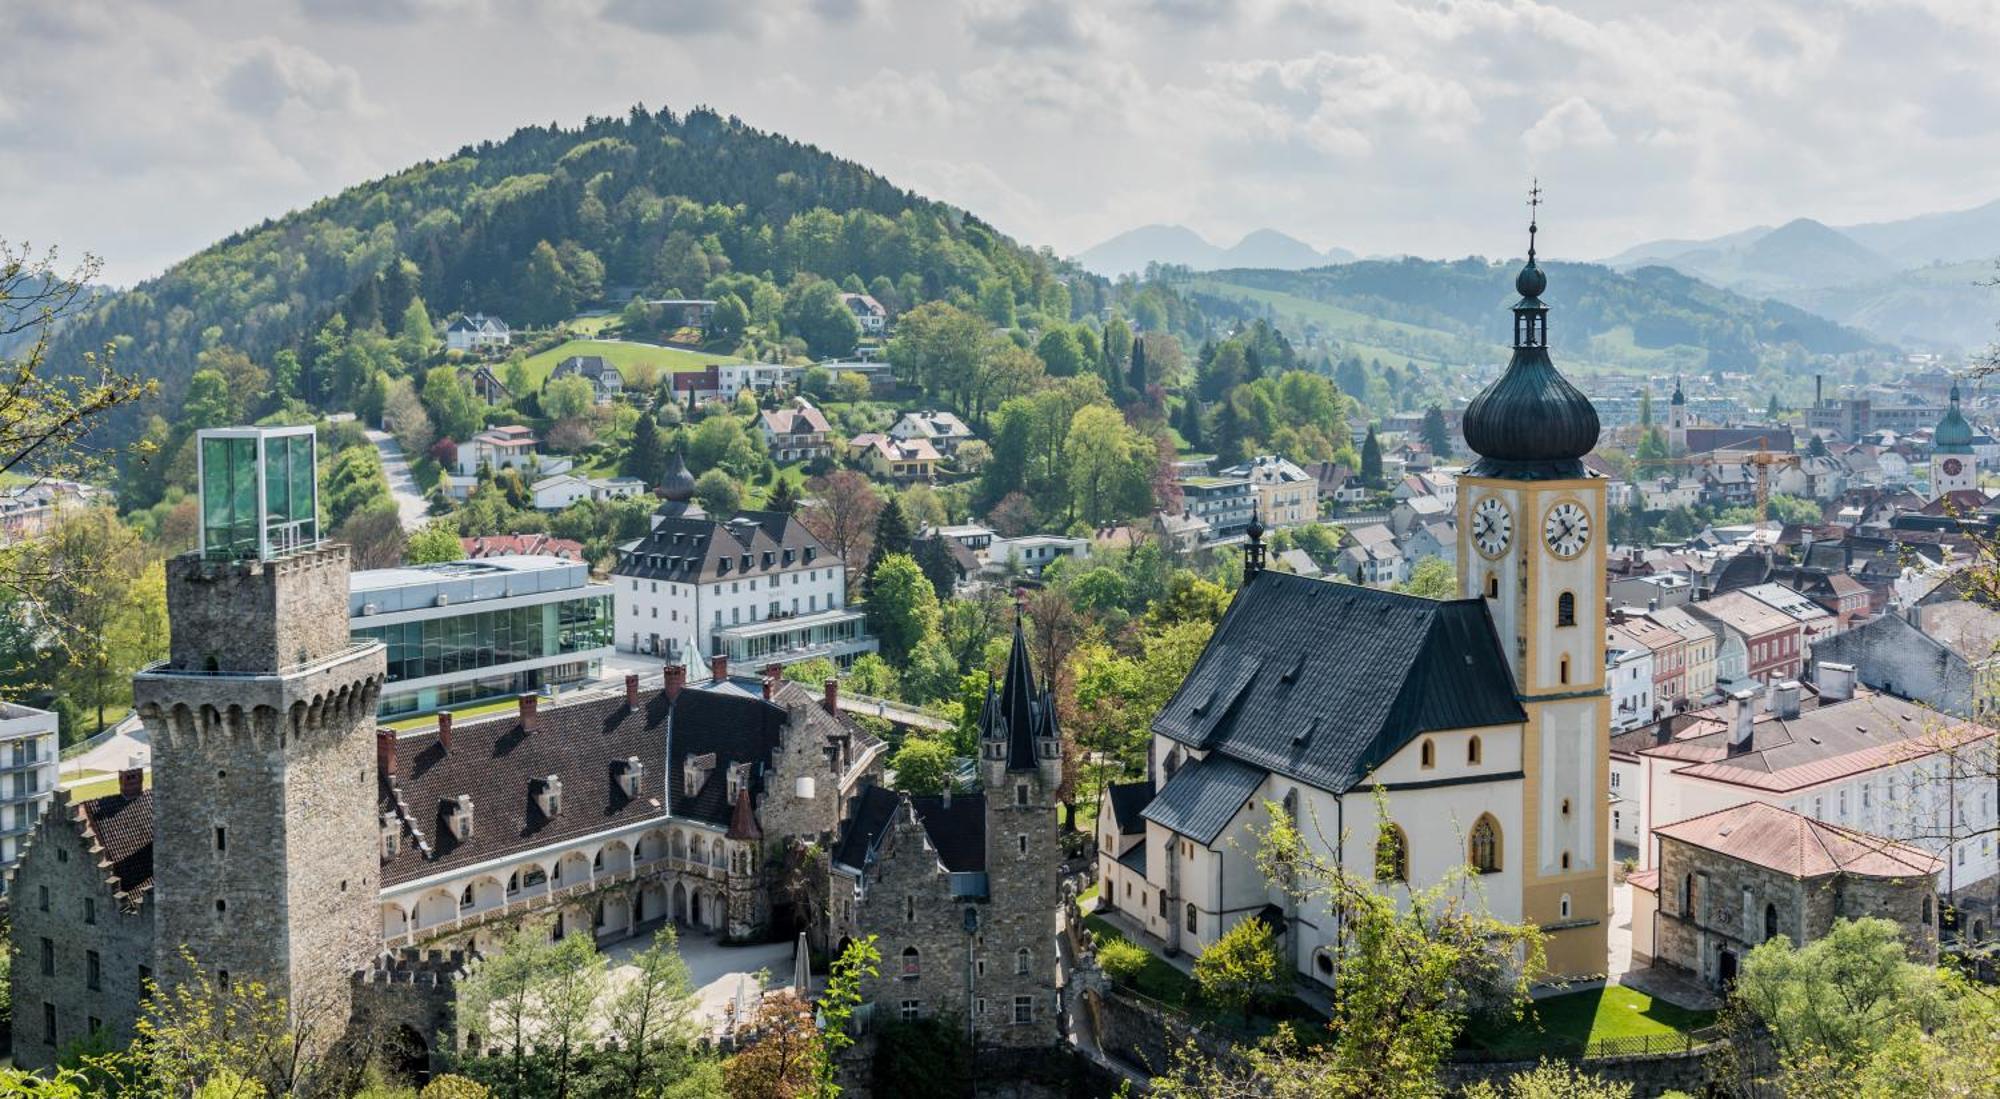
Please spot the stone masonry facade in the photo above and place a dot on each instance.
(1730, 908)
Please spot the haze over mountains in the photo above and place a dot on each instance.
(1129, 252)
(1914, 281)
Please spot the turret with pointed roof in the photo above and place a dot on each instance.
(1017, 726)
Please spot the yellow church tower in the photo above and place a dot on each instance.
(1531, 530)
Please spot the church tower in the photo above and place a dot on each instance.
(1531, 528)
(1677, 421)
(263, 730)
(1953, 466)
(1020, 766)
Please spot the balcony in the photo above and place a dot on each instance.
(532, 900)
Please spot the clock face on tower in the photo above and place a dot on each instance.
(1492, 526)
(1953, 467)
(1566, 530)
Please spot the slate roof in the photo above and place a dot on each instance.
(1204, 796)
(1798, 846)
(956, 829)
(123, 826)
(691, 548)
(1127, 801)
(585, 743)
(1322, 681)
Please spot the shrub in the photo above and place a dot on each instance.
(1122, 960)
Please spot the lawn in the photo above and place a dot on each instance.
(592, 325)
(427, 722)
(100, 787)
(1579, 1018)
(624, 356)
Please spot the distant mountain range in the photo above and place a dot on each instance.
(1129, 252)
(1913, 281)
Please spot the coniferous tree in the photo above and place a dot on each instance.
(1371, 460)
(1436, 434)
(892, 535)
(647, 459)
(1138, 372)
(1646, 409)
(1191, 422)
(784, 497)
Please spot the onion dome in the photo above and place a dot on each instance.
(1531, 424)
(1952, 434)
(1679, 397)
(678, 485)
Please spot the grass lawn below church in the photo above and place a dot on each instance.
(1579, 1018)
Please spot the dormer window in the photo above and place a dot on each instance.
(810, 554)
(722, 566)
(746, 562)
(548, 794)
(392, 835)
(739, 779)
(458, 817)
(694, 772)
(629, 774)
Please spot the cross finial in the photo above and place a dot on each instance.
(1534, 202)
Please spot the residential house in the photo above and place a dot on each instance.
(560, 491)
(868, 313)
(521, 545)
(606, 382)
(1224, 503)
(1651, 590)
(477, 332)
(1773, 641)
(1180, 532)
(1031, 553)
(1669, 651)
(684, 312)
(758, 378)
(1287, 496)
(1628, 675)
(796, 433)
(485, 384)
(1374, 559)
(692, 387)
(1418, 510)
(1697, 652)
(1729, 880)
(1945, 655)
(894, 460)
(942, 430)
(1339, 486)
(1436, 538)
(1815, 621)
(1298, 561)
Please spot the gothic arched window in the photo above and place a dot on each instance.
(1486, 845)
(1472, 750)
(1190, 918)
(912, 966)
(1392, 855)
(1770, 921)
(1428, 752)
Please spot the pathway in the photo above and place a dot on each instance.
(410, 504)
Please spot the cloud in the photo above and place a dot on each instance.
(1030, 24)
(1571, 123)
(690, 17)
(272, 76)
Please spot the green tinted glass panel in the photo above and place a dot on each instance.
(229, 496)
(305, 487)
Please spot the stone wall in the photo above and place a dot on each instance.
(1649, 1076)
(1891, 655)
(1805, 909)
(121, 935)
(257, 616)
(403, 1007)
(907, 904)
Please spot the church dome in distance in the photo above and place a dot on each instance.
(1680, 397)
(1952, 434)
(678, 485)
(1531, 281)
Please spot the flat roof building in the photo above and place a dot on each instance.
(465, 631)
(28, 761)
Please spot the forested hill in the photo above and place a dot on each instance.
(531, 227)
(1596, 309)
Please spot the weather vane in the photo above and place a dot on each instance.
(1534, 201)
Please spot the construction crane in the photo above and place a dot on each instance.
(1763, 459)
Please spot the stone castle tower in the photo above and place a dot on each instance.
(1020, 766)
(262, 724)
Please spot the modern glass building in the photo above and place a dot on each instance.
(469, 631)
(248, 515)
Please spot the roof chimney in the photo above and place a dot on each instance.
(385, 752)
(718, 666)
(832, 695)
(677, 676)
(632, 689)
(1742, 718)
(529, 703)
(770, 685)
(131, 782)
(1788, 699)
(444, 729)
(1836, 682)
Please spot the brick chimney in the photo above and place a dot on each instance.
(444, 729)
(770, 686)
(832, 696)
(385, 752)
(632, 689)
(677, 677)
(529, 703)
(131, 782)
(718, 666)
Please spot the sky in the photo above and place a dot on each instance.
(144, 130)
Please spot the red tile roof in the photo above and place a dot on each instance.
(123, 827)
(1779, 839)
(520, 545)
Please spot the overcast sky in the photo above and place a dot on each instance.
(143, 130)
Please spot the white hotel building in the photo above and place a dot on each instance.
(759, 588)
